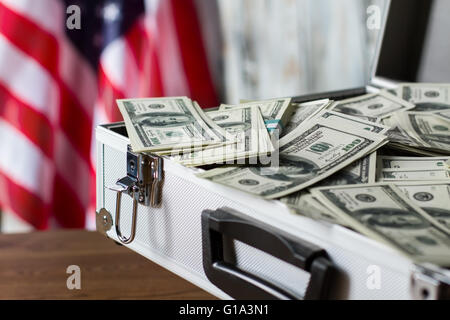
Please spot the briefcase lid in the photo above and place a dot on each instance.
(415, 43)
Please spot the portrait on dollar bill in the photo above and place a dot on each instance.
(164, 119)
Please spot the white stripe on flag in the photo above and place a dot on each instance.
(77, 75)
(24, 163)
(72, 168)
(119, 64)
(27, 79)
(99, 118)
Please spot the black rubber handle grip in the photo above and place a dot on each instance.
(240, 284)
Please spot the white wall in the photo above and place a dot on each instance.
(291, 47)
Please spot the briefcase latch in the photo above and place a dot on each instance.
(430, 283)
(143, 183)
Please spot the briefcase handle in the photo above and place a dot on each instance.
(240, 284)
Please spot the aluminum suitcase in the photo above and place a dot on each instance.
(235, 245)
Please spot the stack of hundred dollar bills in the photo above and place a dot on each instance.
(179, 129)
(378, 163)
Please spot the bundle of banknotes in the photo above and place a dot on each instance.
(378, 163)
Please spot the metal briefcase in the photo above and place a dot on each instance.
(235, 245)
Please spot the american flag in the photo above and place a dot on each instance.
(58, 83)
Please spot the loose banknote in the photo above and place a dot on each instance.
(432, 197)
(362, 170)
(384, 213)
(391, 168)
(373, 106)
(165, 123)
(352, 122)
(397, 134)
(412, 175)
(303, 112)
(431, 131)
(413, 163)
(306, 205)
(443, 114)
(422, 133)
(308, 155)
(427, 97)
(359, 172)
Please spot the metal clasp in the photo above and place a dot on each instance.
(430, 283)
(143, 183)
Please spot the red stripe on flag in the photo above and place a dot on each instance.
(67, 210)
(193, 53)
(136, 44)
(32, 124)
(108, 94)
(156, 88)
(140, 56)
(145, 53)
(76, 126)
(26, 205)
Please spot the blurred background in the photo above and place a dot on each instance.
(63, 63)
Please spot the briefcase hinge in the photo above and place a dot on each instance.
(143, 183)
(430, 283)
(103, 221)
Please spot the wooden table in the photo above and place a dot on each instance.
(33, 266)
